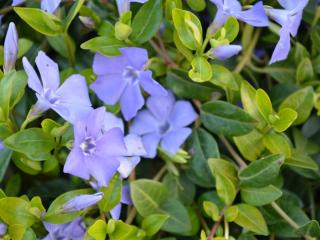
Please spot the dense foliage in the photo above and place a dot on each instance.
(159, 119)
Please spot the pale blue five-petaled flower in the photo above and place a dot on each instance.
(47, 5)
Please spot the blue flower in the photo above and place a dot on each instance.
(125, 199)
(47, 5)
(289, 18)
(3, 229)
(81, 202)
(164, 121)
(255, 16)
(224, 52)
(10, 48)
(69, 104)
(120, 78)
(74, 230)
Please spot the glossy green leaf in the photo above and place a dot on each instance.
(284, 119)
(125, 231)
(225, 174)
(72, 14)
(301, 160)
(147, 21)
(197, 5)
(112, 194)
(5, 157)
(302, 102)
(231, 27)
(305, 70)
(223, 78)
(262, 172)
(201, 70)
(98, 230)
(311, 229)
(264, 104)
(212, 210)
(260, 196)
(188, 28)
(277, 143)
(41, 21)
(153, 223)
(108, 46)
(225, 118)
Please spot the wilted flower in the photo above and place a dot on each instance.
(81, 202)
(255, 16)
(125, 199)
(70, 100)
(120, 77)
(289, 19)
(10, 48)
(124, 5)
(164, 121)
(74, 230)
(224, 52)
(96, 148)
(47, 5)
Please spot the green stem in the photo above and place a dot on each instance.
(284, 215)
(71, 57)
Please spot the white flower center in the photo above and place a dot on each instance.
(88, 146)
(130, 74)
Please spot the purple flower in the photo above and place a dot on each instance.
(125, 199)
(124, 5)
(289, 19)
(255, 16)
(224, 52)
(81, 202)
(3, 229)
(1, 146)
(97, 148)
(70, 100)
(164, 121)
(74, 230)
(120, 77)
(46, 5)
(10, 48)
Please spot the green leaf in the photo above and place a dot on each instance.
(225, 174)
(125, 231)
(12, 88)
(302, 102)
(197, 5)
(147, 196)
(33, 142)
(202, 146)
(16, 211)
(260, 196)
(58, 43)
(55, 212)
(179, 82)
(188, 27)
(251, 145)
(211, 210)
(311, 229)
(264, 104)
(24, 46)
(108, 46)
(5, 156)
(153, 223)
(170, 5)
(225, 118)
(232, 28)
(250, 218)
(13, 185)
(201, 70)
(146, 22)
(41, 21)
(186, 52)
(277, 143)
(98, 230)
(72, 14)
(262, 172)
(248, 99)
(284, 119)
(301, 160)
(112, 194)
(223, 78)
(305, 71)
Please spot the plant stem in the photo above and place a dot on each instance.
(131, 216)
(159, 175)
(71, 56)
(247, 55)
(285, 216)
(163, 54)
(233, 152)
(215, 228)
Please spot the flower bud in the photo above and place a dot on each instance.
(10, 48)
(81, 202)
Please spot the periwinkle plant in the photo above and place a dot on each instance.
(159, 119)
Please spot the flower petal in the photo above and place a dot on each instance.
(161, 107)
(282, 48)
(50, 5)
(94, 123)
(75, 164)
(144, 123)
(111, 143)
(108, 65)
(150, 142)
(182, 114)
(256, 16)
(10, 48)
(150, 85)
(109, 87)
(33, 79)
(134, 145)
(17, 2)
(126, 197)
(136, 57)
(49, 71)
(172, 141)
(226, 51)
(72, 112)
(81, 202)
(111, 121)
(131, 101)
(116, 211)
(127, 164)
